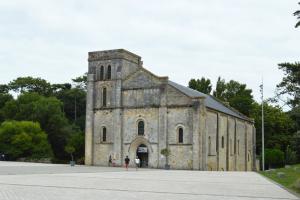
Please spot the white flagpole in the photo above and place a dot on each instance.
(262, 126)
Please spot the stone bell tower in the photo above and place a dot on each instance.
(106, 71)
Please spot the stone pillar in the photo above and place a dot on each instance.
(254, 148)
(246, 146)
(196, 133)
(117, 122)
(227, 145)
(89, 124)
(162, 127)
(203, 142)
(235, 145)
(218, 141)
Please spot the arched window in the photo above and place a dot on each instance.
(97, 74)
(104, 97)
(222, 142)
(180, 135)
(209, 145)
(248, 157)
(141, 128)
(101, 73)
(103, 134)
(108, 72)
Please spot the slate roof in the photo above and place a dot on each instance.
(210, 101)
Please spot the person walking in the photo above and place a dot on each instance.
(109, 161)
(137, 163)
(127, 160)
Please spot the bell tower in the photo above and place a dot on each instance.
(106, 70)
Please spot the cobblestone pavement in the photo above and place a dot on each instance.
(32, 181)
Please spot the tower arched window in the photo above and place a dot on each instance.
(103, 134)
(104, 94)
(209, 145)
(101, 73)
(108, 72)
(180, 135)
(97, 74)
(141, 128)
(222, 142)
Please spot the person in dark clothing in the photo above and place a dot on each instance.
(109, 161)
(127, 160)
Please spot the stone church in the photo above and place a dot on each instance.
(133, 112)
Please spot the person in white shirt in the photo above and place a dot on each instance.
(137, 163)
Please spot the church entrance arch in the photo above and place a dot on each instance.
(142, 153)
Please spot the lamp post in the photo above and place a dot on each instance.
(262, 126)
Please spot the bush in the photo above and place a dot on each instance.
(274, 158)
(23, 139)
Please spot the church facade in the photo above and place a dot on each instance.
(133, 112)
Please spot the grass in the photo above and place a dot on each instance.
(291, 175)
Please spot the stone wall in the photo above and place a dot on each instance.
(231, 141)
(181, 153)
(237, 151)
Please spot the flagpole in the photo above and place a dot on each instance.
(262, 126)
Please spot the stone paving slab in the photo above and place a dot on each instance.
(47, 181)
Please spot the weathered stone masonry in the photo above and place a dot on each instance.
(131, 111)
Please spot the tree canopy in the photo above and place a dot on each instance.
(290, 84)
(30, 84)
(201, 85)
(24, 139)
(297, 14)
(278, 127)
(236, 94)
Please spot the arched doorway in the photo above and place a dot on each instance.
(142, 153)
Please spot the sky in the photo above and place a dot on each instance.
(182, 39)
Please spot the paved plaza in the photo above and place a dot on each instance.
(32, 181)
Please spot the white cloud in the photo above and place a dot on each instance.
(240, 40)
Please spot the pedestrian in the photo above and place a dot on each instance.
(109, 161)
(137, 163)
(127, 160)
(3, 157)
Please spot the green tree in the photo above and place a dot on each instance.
(236, 94)
(70, 150)
(23, 139)
(278, 127)
(45, 110)
(202, 85)
(4, 89)
(81, 82)
(297, 14)
(220, 89)
(290, 84)
(274, 158)
(30, 84)
(4, 97)
(74, 102)
(295, 144)
(76, 140)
